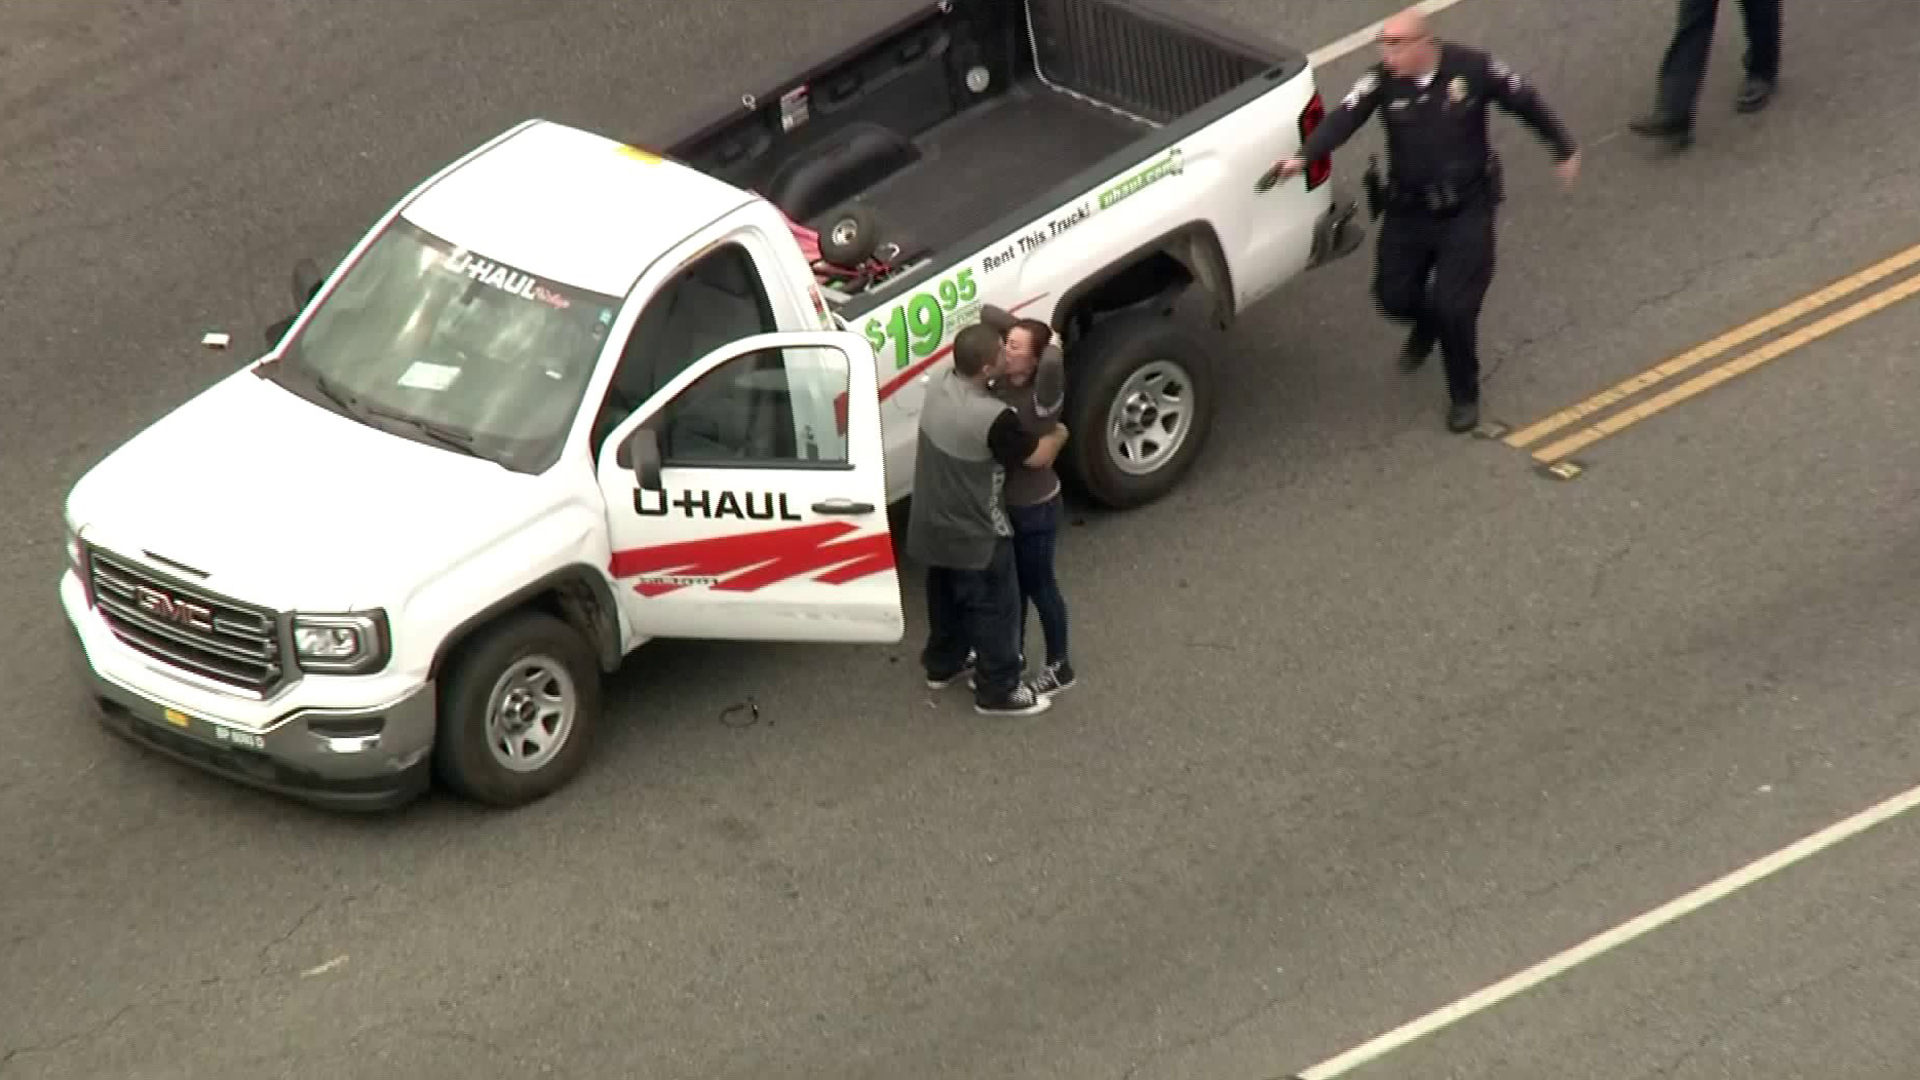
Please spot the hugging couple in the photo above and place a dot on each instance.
(986, 511)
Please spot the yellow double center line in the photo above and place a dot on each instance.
(1560, 449)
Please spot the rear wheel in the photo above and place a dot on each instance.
(517, 711)
(1140, 407)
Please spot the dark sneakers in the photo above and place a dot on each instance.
(1025, 699)
(1022, 700)
(941, 682)
(1463, 417)
(1054, 678)
(1033, 696)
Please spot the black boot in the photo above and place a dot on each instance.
(1463, 417)
(1754, 95)
(1675, 132)
(1418, 347)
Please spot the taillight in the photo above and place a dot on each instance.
(1321, 167)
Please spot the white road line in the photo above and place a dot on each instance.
(1363, 37)
(1614, 938)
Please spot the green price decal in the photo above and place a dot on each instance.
(917, 325)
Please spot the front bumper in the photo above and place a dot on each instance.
(374, 758)
(1338, 233)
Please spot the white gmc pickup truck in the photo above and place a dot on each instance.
(569, 395)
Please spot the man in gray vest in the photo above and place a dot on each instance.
(958, 527)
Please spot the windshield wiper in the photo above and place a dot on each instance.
(336, 395)
(451, 438)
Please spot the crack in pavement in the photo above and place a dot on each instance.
(168, 995)
(66, 1041)
(262, 960)
(1720, 1027)
(1606, 565)
(405, 1026)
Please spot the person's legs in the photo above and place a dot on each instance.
(1402, 263)
(1762, 62)
(945, 655)
(1460, 286)
(991, 597)
(1682, 70)
(1036, 532)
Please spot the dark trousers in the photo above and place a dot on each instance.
(1036, 529)
(977, 610)
(1684, 67)
(1433, 272)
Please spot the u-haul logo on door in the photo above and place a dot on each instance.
(749, 562)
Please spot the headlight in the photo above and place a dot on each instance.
(352, 644)
(76, 554)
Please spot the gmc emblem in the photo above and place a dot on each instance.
(179, 612)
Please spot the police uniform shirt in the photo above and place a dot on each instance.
(1437, 125)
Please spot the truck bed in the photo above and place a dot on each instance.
(966, 115)
(973, 168)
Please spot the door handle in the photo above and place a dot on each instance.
(842, 506)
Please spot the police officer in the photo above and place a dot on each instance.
(1442, 187)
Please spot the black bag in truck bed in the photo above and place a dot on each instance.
(967, 119)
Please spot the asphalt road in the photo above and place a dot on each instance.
(1372, 715)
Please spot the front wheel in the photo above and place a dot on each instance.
(1140, 406)
(517, 711)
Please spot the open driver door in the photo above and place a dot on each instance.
(740, 506)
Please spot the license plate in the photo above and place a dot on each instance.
(231, 736)
(239, 738)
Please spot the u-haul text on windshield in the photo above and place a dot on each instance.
(488, 272)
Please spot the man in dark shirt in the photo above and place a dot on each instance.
(1443, 186)
(958, 526)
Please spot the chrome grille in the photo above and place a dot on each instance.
(187, 627)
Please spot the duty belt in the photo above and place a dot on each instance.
(1446, 197)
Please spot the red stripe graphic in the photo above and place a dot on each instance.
(892, 386)
(767, 558)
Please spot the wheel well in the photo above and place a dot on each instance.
(1153, 274)
(575, 596)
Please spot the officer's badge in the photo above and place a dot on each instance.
(1500, 70)
(1366, 85)
(1457, 89)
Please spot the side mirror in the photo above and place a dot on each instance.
(306, 283)
(641, 453)
(278, 331)
(1050, 382)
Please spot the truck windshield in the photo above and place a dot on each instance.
(444, 345)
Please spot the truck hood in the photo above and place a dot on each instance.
(283, 503)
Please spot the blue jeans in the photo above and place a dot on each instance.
(1036, 528)
(974, 610)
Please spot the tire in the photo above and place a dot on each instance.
(534, 649)
(1121, 378)
(850, 237)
